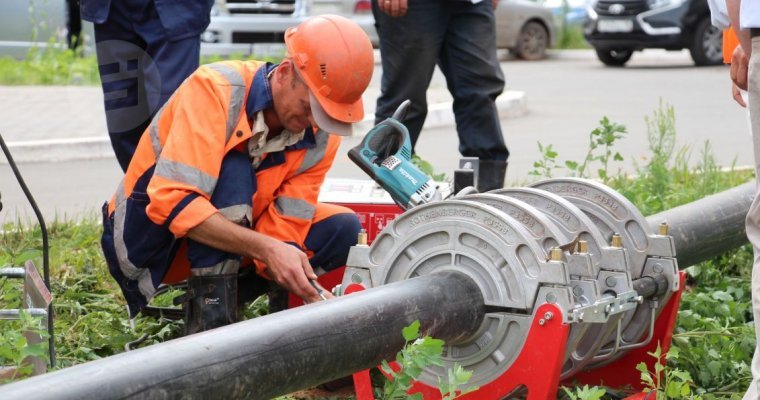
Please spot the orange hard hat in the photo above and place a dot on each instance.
(334, 56)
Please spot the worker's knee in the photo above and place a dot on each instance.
(331, 238)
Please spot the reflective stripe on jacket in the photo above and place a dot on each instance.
(178, 159)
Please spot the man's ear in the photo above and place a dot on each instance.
(284, 71)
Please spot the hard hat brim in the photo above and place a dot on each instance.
(326, 122)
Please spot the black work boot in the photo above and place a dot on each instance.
(491, 175)
(211, 302)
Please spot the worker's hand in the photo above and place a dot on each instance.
(494, 3)
(322, 293)
(739, 66)
(736, 93)
(290, 268)
(394, 8)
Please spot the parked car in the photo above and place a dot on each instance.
(617, 28)
(257, 26)
(525, 27)
(25, 24)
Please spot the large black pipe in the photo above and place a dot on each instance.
(275, 354)
(708, 227)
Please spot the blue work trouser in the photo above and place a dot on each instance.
(140, 68)
(461, 38)
(153, 246)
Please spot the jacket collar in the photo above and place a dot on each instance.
(260, 93)
(260, 98)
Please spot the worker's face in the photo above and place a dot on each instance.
(294, 109)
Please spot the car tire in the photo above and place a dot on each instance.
(614, 57)
(707, 44)
(532, 41)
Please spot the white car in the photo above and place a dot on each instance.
(248, 27)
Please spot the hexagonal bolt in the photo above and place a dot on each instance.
(548, 316)
(356, 278)
(541, 322)
(611, 281)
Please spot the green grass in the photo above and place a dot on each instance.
(57, 65)
(570, 37)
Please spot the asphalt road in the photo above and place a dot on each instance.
(567, 95)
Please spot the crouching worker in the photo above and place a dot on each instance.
(228, 173)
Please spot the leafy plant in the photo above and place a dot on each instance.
(547, 164)
(601, 142)
(427, 168)
(665, 382)
(601, 139)
(418, 354)
(585, 393)
(15, 347)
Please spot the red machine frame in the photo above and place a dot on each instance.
(538, 367)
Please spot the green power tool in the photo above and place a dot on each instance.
(385, 155)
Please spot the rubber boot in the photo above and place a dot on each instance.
(211, 302)
(491, 175)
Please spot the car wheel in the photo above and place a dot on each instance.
(707, 44)
(532, 42)
(614, 57)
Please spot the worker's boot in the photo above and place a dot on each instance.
(211, 301)
(491, 175)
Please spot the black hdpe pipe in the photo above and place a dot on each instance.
(708, 227)
(276, 354)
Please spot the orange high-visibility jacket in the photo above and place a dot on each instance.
(180, 154)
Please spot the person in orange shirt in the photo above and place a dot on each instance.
(228, 174)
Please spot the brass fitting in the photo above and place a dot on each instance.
(555, 254)
(362, 238)
(617, 240)
(582, 246)
(664, 228)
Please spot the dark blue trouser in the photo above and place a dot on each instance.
(461, 38)
(154, 247)
(139, 69)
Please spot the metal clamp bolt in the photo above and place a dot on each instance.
(361, 240)
(555, 254)
(617, 240)
(664, 228)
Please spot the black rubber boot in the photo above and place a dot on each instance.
(491, 175)
(211, 301)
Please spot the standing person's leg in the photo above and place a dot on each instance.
(753, 216)
(409, 46)
(73, 24)
(474, 77)
(172, 62)
(121, 62)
